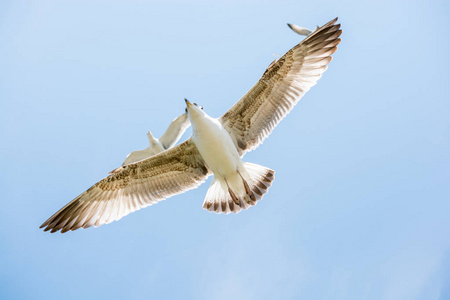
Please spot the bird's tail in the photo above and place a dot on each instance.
(230, 194)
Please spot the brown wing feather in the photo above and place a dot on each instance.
(133, 187)
(282, 85)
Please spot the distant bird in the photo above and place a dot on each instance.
(168, 140)
(216, 147)
(300, 30)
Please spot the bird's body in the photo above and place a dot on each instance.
(154, 147)
(214, 144)
(233, 186)
(215, 148)
(300, 30)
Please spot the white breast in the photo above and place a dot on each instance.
(215, 145)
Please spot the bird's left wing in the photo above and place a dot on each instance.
(137, 155)
(285, 81)
(133, 187)
(175, 131)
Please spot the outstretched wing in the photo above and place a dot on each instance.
(133, 187)
(137, 155)
(175, 131)
(282, 85)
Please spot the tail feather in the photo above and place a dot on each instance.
(217, 195)
(221, 198)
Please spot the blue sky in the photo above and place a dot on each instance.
(359, 208)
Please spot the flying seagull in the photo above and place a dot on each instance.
(300, 30)
(167, 140)
(216, 147)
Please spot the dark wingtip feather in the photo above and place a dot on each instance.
(334, 20)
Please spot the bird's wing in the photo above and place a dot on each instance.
(138, 155)
(285, 81)
(133, 187)
(299, 30)
(175, 131)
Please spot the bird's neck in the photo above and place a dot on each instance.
(202, 124)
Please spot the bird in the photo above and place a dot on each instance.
(173, 133)
(216, 147)
(300, 30)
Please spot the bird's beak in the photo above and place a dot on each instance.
(188, 104)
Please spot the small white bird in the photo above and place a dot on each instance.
(215, 148)
(168, 140)
(300, 30)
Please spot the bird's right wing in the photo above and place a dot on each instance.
(250, 120)
(175, 131)
(133, 187)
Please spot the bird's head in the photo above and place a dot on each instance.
(194, 110)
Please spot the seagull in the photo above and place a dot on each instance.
(216, 147)
(300, 30)
(167, 140)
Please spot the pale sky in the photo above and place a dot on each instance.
(359, 208)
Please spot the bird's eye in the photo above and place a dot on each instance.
(201, 107)
(185, 109)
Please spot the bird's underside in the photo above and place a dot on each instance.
(181, 168)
